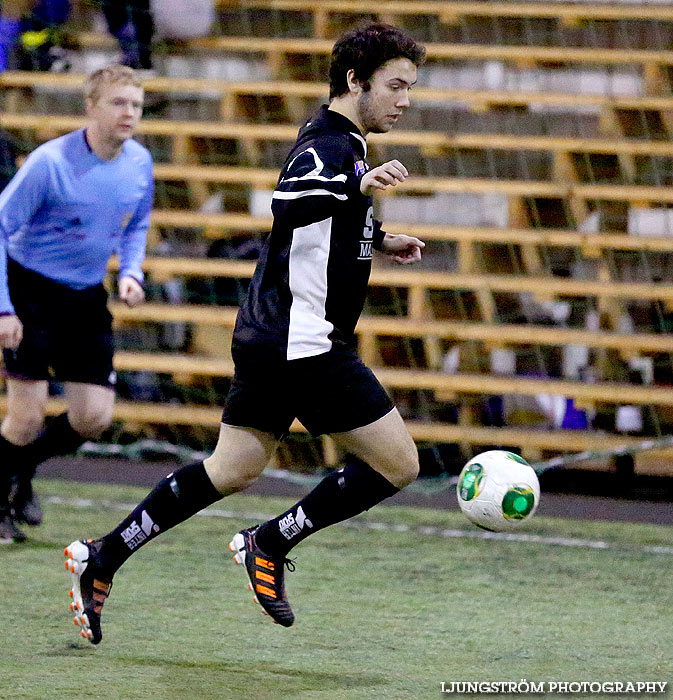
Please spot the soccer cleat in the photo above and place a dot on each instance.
(266, 576)
(90, 587)
(25, 503)
(9, 532)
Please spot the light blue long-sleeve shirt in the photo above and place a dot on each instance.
(66, 212)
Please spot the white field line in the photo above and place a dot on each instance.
(389, 527)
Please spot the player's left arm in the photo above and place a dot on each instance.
(132, 249)
(403, 249)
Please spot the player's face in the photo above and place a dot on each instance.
(117, 111)
(380, 107)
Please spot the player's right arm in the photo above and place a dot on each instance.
(19, 201)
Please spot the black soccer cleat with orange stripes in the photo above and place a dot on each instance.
(90, 587)
(267, 576)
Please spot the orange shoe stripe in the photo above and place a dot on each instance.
(263, 562)
(265, 577)
(265, 590)
(102, 587)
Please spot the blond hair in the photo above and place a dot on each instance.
(93, 86)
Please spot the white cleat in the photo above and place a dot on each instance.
(88, 591)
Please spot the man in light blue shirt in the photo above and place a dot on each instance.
(76, 201)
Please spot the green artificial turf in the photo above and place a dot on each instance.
(389, 609)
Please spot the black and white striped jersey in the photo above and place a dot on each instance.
(309, 287)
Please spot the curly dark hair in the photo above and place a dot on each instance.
(365, 49)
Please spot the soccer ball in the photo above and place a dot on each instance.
(498, 490)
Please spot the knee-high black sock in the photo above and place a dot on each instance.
(339, 496)
(175, 498)
(10, 465)
(59, 438)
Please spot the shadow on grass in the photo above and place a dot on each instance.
(256, 671)
(238, 675)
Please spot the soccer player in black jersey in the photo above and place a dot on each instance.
(293, 344)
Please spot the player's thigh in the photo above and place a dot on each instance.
(26, 404)
(386, 446)
(240, 456)
(90, 407)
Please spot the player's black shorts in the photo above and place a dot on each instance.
(67, 333)
(330, 393)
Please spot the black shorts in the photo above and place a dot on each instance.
(67, 333)
(330, 393)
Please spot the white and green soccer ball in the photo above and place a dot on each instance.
(498, 490)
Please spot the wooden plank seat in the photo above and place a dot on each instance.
(556, 440)
(222, 225)
(277, 48)
(478, 99)
(262, 178)
(447, 384)
(422, 139)
(450, 11)
(426, 279)
(493, 334)
(265, 178)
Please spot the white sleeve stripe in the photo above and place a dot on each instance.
(319, 165)
(307, 193)
(315, 173)
(319, 178)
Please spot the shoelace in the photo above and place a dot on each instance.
(289, 564)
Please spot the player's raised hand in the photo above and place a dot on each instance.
(383, 176)
(403, 249)
(131, 291)
(11, 331)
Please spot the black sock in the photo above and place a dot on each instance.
(21, 461)
(175, 498)
(339, 496)
(59, 438)
(10, 465)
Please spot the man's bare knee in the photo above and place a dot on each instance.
(239, 458)
(401, 469)
(386, 446)
(408, 468)
(22, 427)
(90, 424)
(230, 478)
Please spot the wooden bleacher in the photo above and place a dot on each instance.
(449, 12)
(653, 63)
(423, 280)
(229, 90)
(276, 49)
(495, 335)
(434, 141)
(207, 417)
(266, 178)
(416, 286)
(456, 386)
